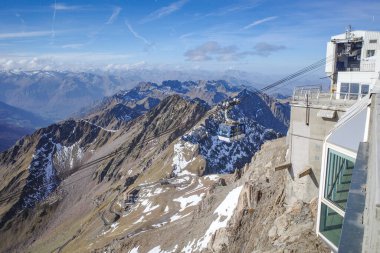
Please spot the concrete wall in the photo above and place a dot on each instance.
(371, 217)
(331, 58)
(356, 77)
(305, 150)
(371, 46)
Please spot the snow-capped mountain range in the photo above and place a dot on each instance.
(141, 160)
(57, 95)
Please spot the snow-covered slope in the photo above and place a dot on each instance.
(223, 157)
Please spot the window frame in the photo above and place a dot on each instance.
(350, 95)
(361, 89)
(328, 169)
(322, 190)
(369, 53)
(321, 232)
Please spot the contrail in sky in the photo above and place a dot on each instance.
(53, 23)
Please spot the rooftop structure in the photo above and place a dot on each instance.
(353, 63)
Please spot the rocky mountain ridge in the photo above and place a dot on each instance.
(107, 184)
(57, 95)
(129, 104)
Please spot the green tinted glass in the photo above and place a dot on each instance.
(338, 178)
(330, 225)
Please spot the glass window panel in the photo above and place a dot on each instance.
(338, 178)
(370, 53)
(344, 89)
(364, 89)
(330, 225)
(354, 90)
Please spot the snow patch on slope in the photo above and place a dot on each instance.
(158, 249)
(149, 206)
(224, 213)
(139, 220)
(105, 129)
(179, 159)
(188, 201)
(68, 154)
(134, 250)
(112, 228)
(42, 178)
(178, 217)
(212, 177)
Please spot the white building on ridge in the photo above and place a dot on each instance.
(353, 63)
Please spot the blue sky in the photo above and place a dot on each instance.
(215, 35)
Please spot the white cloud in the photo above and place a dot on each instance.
(64, 7)
(62, 61)
(266, 49)
(186, 35)
(164, 11)
(30, 63)
(114, 15)
(258, 22)
(136, 35)
(24, 34)
(234, 8)
(73, 46)
(212, 50)
(118, 67)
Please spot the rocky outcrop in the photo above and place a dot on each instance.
(262, 222)
(264, 109)
(54, 152)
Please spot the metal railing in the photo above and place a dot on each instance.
(348, 95)
(349, 69)
(364, 66)
(367, 66)
(302, 92)
(314, 95)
